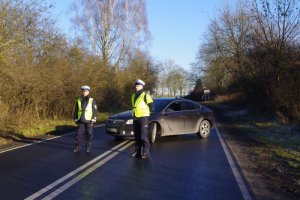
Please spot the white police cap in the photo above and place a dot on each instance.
(139, 82)
(85, 87)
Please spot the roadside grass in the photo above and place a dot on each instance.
(103, 116)
(43, 128)
(279, 145)
(47, 126)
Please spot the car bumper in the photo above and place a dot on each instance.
(122, 131)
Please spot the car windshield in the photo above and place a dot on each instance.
(160, 104)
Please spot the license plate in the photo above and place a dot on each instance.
(114, 130)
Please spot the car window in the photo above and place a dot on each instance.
(187, 105)
(160, 104)
(175, 106)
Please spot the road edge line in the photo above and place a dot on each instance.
(236, 173)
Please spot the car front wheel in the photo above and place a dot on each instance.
(152, 132)
(204, 129)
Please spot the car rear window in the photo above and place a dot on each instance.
(190, 105)
(175, 106)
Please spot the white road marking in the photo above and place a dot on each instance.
(234, 169)
(85, 173)
(43, 140)
(57, 182)
(64, 187)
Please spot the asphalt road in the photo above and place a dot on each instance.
(180, 167)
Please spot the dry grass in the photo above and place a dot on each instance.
(279, 145)
(229, 98)
(271, 147)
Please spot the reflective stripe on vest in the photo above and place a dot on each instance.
(88, 113)
(140, 107)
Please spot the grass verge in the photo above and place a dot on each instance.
(43, 128)
(274, 146)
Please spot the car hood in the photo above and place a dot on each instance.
(123, 115)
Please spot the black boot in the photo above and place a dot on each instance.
(76, 149)
(88, 147)
(136, 153)
(144, 154)
(133, 154)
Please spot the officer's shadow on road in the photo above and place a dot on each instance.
(143, 165)
(61, 130)
(21, 138)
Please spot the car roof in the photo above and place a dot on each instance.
(165, 98)
(173, 98)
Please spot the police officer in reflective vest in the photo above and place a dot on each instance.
(84, 116)
(142, 105)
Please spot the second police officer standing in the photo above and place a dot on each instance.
(84, 116)
(142, 105)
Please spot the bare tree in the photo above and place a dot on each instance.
(172, 78)
(226, 44)
(113, 27)
(277, 30)
(252, 48)
(181, 80)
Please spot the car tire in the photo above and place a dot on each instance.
(152, 132)
(204, 129)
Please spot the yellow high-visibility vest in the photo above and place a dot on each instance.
(140, 107)
(88, 112)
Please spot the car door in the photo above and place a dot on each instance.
(193, 114)
(174, 119)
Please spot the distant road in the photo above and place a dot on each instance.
(180, 167)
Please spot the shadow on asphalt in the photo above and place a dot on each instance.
(16, 139)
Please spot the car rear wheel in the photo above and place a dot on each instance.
(152, 132)
(204, 129)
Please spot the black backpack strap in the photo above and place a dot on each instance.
(145, 98)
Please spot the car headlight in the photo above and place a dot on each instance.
(130, 121)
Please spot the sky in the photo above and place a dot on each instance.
(176, 26)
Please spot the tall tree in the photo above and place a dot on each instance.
(275, 45)
(224, 52)
(113, 27)
(253, 48)
(276, 31)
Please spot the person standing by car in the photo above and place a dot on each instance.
(85, 116)
(142, 105)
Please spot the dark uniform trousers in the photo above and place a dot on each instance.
(141, 134)
(80, 132)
